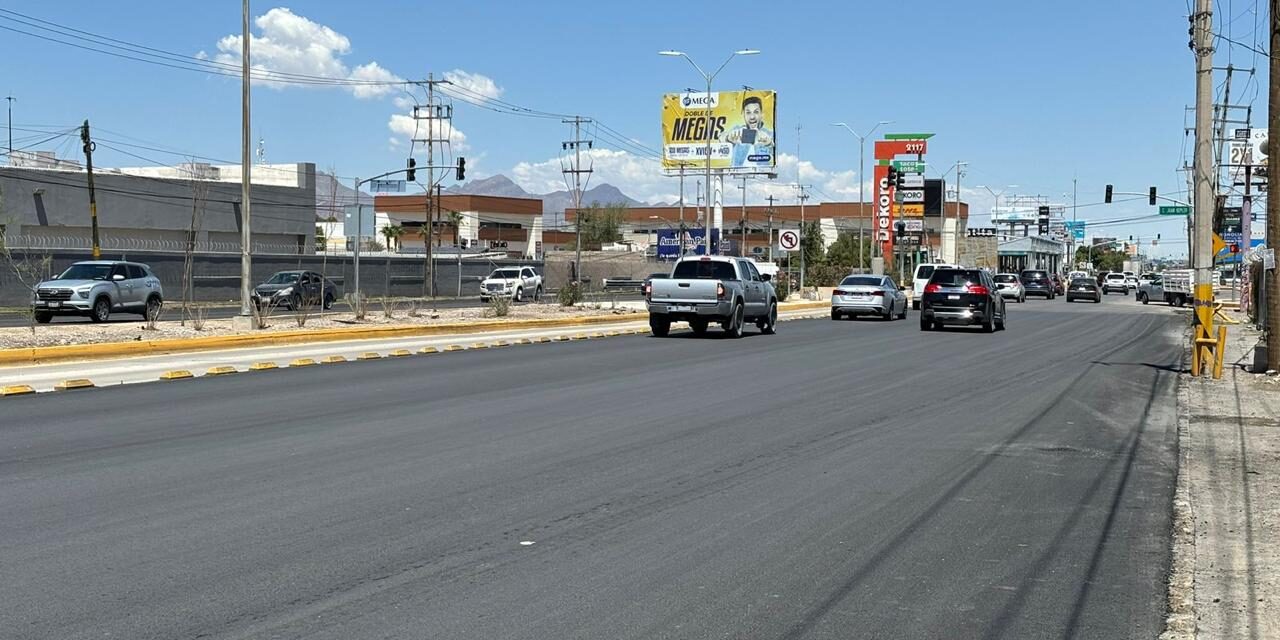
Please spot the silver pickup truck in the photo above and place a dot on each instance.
(706, 289)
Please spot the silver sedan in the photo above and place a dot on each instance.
(868, 295)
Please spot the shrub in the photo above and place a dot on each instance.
(500, 306)
(570, 294)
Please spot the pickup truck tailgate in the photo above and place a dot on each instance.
(684, 291)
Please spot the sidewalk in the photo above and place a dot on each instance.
(1225, 581)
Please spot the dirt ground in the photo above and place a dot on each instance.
(283, 320)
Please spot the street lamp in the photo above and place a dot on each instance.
(709, 78)
(862, 178)
(996, 209)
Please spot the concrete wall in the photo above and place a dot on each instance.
(52, 209)
(217, 276)
(598, 265)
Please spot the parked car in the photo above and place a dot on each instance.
(1084, 289)
(513, 282)
(868, 295)
(921, 278)
(1114, 282)
(705, 289)
(1172, 286)
(96, 289)
(1146, 278)
(1010, 286)
(296, 289)
(1038, 283)
(964, 297)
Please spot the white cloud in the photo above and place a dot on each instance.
(403, 103)
(290, 43)
(474, 83)
(407, 128)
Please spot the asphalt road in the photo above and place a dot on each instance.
(840, 479)
(14, 318)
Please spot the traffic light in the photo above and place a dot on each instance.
(409, 173)
(1107, 198)
(902, 181)
(1235, 248)
(901, 228)
(893, 176)
(462, 169)
(1151, 196)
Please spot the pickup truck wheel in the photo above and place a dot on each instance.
(734, 329)
(769, 325)
(699, 326)
(43, 317)
(519, 296)
(101, 309)
(1142, 297)
(660, 327)
(328, 301)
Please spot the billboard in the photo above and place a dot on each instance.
(1248, 154)
(740, 126)
(669, 242)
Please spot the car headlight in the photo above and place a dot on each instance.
(83, 293)
(285, 291)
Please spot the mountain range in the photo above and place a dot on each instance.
(553, 204)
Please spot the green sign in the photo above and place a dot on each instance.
(1175, 211)
(909, 166)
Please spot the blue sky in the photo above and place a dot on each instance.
(1029, 94)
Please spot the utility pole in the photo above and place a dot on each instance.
(246, 229)
(742, 250)
(1202, 22)
(803, 233)
(93, 201)
(681, 208)
(443, 113)
(10, 99)
(1272, 283)
(955, 233)
(575, 145)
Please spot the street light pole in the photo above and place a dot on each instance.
(710, 119)
(862, 179)
(246, 229)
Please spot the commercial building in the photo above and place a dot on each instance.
(641, 225)
(494, 223)
(1031, 252)
(157, 209)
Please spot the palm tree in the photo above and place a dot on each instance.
(392, 233)
(455, 219)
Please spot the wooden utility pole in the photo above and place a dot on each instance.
(1269, 280)
(1202, 261)
(93, 200)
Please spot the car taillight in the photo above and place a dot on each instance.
(932, 288)
(977, 289)
(648, 290)
(719, 289)
(841, 292)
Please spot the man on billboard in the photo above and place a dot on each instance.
(752, 140)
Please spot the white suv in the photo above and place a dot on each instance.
(517, 283)
(1115, 282)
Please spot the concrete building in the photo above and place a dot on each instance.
(1031, 252)
(512, 225)
(49, 208)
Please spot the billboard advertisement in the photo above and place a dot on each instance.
(669, 242)
(739, 125)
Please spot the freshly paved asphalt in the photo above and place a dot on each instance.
(841, 479)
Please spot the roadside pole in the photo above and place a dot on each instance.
(1270, 281)
(1202, 22)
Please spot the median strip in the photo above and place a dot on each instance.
(426, 351)
(400, 353)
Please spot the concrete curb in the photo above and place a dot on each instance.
(36, 355)
(1180, 615)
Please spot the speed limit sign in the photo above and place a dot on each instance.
(789, 240)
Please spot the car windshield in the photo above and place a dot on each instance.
(1006, 277)
(1115, 276)
(86, 272)
(704, 270)
(860, 281)
(505, 274)
(284, 277)
(924, 271)
(954, 277)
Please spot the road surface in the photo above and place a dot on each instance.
(840, 479)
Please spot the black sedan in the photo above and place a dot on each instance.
(961, 296)
(296, 290)
(1084, 289)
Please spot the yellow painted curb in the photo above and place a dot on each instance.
(428, 350)
(580, 336)
(454, 347)
(611, 334)
(500, 343)
(400, 353)
(17, 390)
(369, 355)
(75, 383)
(182, 345)
(263, 366)
(479, 345)
(176, 374)
(561, 339)
(220, 371)
(542, 339)
(302, 362)
(524, 341)
(595, 335)
(332, 359)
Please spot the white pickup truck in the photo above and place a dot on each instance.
(704, 289)
(1172, 286)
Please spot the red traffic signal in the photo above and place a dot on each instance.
(1235, 248)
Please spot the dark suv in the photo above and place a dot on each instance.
(961, 296)
(1038, 283)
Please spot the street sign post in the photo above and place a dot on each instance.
(789, 240)
(1175, 210)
